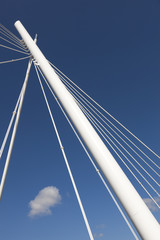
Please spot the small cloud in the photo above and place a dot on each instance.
(98, 235)
(48, 197)
(150, 203)
(99, 227)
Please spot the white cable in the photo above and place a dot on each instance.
(14, 60)
(66, 161)
(1, 45)
(101, 130)
(98, 172)
(68, 87)
(123, 161)
(12, 39)
(98, 122)
(10, 123)
(138, 180)
(14, 131)
(8, 32)
(77, 93)
(106, 112)
(16, 45)
(133, 174)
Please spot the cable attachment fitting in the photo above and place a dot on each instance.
(14, 112)
(62, 148)
(36, 63)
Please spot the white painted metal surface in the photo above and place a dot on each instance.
(145, 223)
(14, 129)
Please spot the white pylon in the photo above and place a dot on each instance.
(143, 220)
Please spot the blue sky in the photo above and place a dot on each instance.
(111, 50)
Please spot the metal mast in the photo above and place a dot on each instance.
(143, 220)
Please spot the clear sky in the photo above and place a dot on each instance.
(111, 49)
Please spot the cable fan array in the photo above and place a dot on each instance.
(13, 44)
(143, 167)
(8, 37)
(122, 143)
(66, 161)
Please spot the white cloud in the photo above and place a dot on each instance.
(100, 228)
(98, 235)
(150, 203)
(48, 197)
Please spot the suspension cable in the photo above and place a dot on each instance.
(1, 45)
(97, 170)
(8, 32)
(97, 122)
(92, 106)
(11, 122)
(15, 60)
(68, 87)
(66, 161)
(13, 40)
(131, 172)
(16, 45)
(106, 112)
(101, 131)
(14, 130)
(122, 160)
